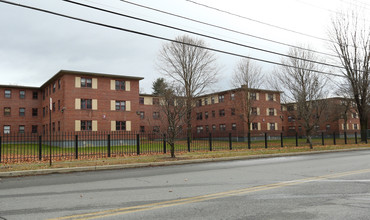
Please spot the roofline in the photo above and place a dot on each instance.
(72, 72)
(238, 89)
(19, 87)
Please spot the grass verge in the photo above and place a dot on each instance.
(149, 158)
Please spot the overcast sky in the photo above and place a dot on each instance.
(34, 46)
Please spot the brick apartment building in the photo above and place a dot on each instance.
(332, 120)
(221, 112)
(81, 101)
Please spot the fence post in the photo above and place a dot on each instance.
(249, 140)
(164, 144)
(366, 137)
(281, 139)
(210, 141)
(108, 145)
(0, 149)
(322, 138)
(334, 142)
(76, 146)
(40, 147)
(266, 140)
(356, 137)
(345, 137)
(137, 144)
(296, 139)
(188, 144)
(230, 142)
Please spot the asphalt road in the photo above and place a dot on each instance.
(321, 186)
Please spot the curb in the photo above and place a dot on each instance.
(165, 163)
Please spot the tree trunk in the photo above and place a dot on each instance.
(309, 139)
(172, 146)
(363, 124)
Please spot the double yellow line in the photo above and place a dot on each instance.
(121, 211)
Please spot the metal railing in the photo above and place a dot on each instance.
(83, 145)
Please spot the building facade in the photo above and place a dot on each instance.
(73, 101)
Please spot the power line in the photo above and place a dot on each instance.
(161, 38)
(227, 29)
(199, 34)
(260, 22)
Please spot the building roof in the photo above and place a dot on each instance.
(19, 87)
(80, 73)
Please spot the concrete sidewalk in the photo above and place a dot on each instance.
(165, 163)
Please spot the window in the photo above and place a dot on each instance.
(22, 94)
(290, 107)
(199, 116)
(6, 129)
(34, 112)
(270, 97)
(355, 126)
(155, 115)
(7, 111)
(120, 85)
(86, 103)
(317, 127)
(199, 102)
(300, 128)
(53, 126)
(328, 127)
(232, 111)
(34, 129)
(54, 87)
(291, 118)
(142, 115)
(7, 93)
(120, 126)
(53, 106)
(233, 126)
(155, 128)
(232, 96)
(43, 112)
(86, 125)
(86, 82)
(21, 129)
(155, 101)
(271, 111)
(254, 111)
(207, 128)
(59, 83)
(213, 114)
(222, 112)
(199, 129)
(43, 95)
(206, 101)
(213, 127)
(142, 128)
(141, 100)
(213, 100)
(35, 95)
(221, 98)
(272, 126)
(120, 105)
(58, 105)
(254, 126)
(22, 111)
(354, 115)
(58, 125)
(253, 96)
(43, 129)
(291, 128)
(222, 127)
(206, 115)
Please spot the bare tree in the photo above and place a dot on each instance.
(303, 87)
(247, 76)
(172, 111)
(351, 42)
(190, 67)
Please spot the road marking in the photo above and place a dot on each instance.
(126, 210)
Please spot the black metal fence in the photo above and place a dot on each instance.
(77, 145)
